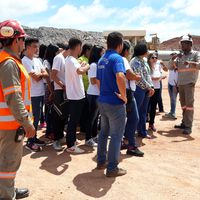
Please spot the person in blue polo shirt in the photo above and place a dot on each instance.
(112, 100)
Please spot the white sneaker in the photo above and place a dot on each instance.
(57, 146)
(91, 143)
(95, 139)
(75, 149)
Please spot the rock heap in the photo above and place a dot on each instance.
(48, 35)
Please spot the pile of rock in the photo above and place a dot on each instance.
(51, 35)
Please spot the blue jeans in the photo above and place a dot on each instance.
(36, 103)
(113, 124)
(36, 108)
(173, 95)
(131, 123)
(142, 100)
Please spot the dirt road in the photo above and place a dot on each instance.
(170, 169)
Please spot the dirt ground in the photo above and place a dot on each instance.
(170, 169)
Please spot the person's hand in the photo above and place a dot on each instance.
(30, 131)
(174, 56)
(151, 92)
(163, 77)
(137, 77)
(190, 64)
(51, 97)
(156, 79)
(186, 62)
(123, 98)
(63, 87)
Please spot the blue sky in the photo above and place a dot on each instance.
(168, 19)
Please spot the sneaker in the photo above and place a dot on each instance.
(116, 172)
(170, 116)
(39, 142)
(187, 131)
(101, 166)
(75, 149)
(43, 125)
(124, 146)
(91, 143)
(147, 136)
(134, 151)
(33, 147)
(50, 136)
(95, 139)
(180, 126)
(21, 193)
(78, 142)
(57, 146)
(63, 140)
(152, 128)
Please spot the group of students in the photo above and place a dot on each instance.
(119, 96)
(63, 78)
(56, 82)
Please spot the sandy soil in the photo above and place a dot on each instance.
(170, 168)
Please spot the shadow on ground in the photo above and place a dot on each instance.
(54, 162)
(94, 184)
(176, 134)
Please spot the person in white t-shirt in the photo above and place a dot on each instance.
(129, 141)
(58, 77)
(92, 95)
(42, 50)
(74, 91)
(37, 72)
(172, 89)
(51, 52)
(156, 76)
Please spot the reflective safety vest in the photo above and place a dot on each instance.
(7, 120)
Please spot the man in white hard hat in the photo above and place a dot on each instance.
(188, 64)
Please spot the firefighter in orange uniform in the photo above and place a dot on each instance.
(15, 108)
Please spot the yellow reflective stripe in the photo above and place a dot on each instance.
(12, 89)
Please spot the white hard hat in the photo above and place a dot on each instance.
(186, 38)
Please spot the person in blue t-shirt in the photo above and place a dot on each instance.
(112, 100)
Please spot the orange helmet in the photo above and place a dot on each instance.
(11, 29)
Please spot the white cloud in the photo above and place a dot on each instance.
(143, 16)
(192, 8)
(172, 19)
(189, 8)
(167, 29)
(178, 4)
(70, 16)
(20, 8)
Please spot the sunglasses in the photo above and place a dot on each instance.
(154, 57)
